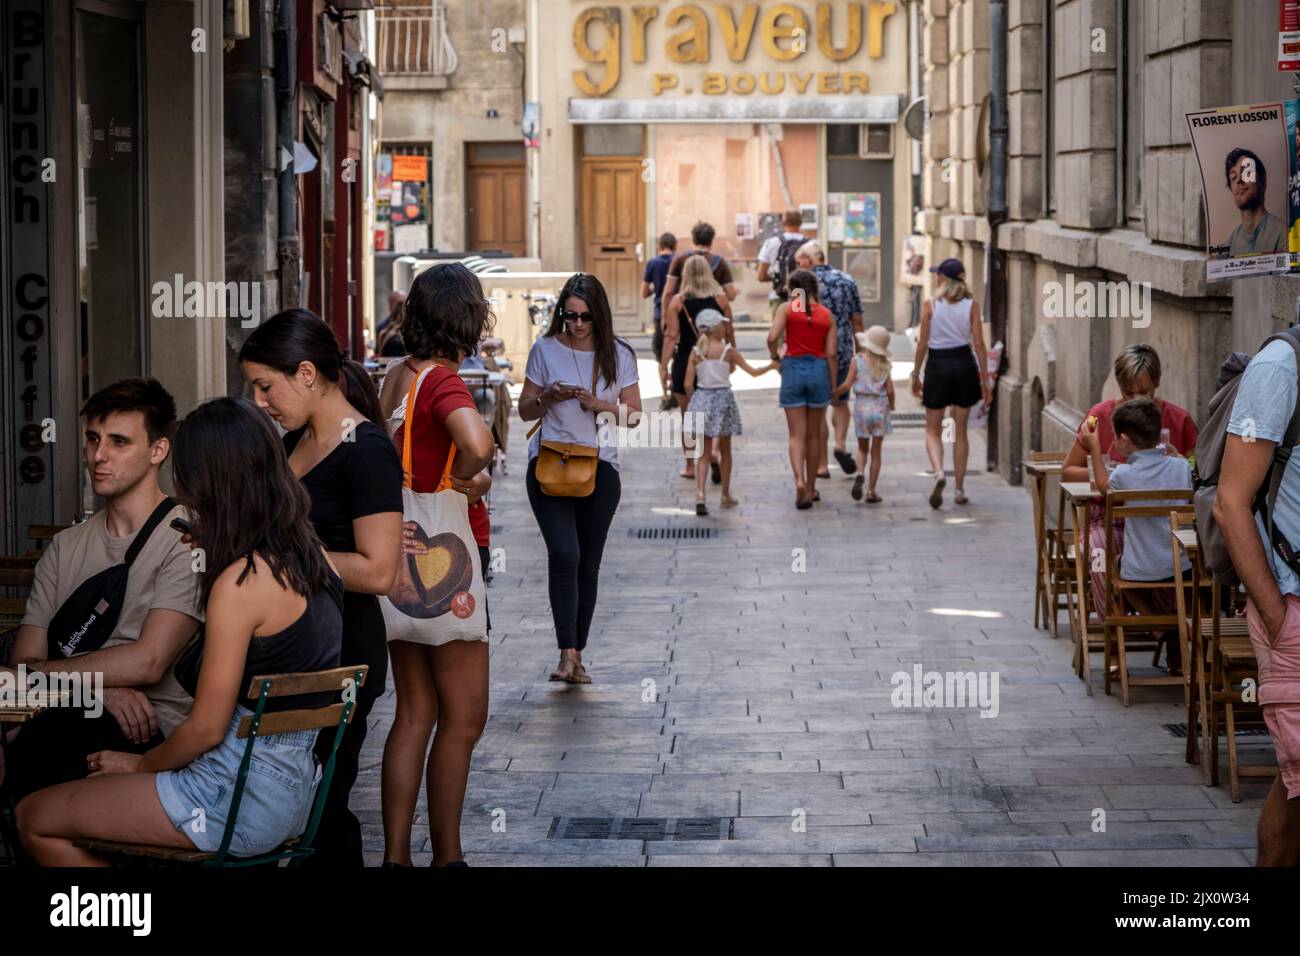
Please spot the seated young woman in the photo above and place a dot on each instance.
(273, 604)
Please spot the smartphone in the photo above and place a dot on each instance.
(568, 386)
(183, 526)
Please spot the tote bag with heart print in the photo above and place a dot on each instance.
(438, 595)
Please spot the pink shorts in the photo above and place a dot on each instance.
(1279, 688)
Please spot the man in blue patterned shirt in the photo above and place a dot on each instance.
(839, 293)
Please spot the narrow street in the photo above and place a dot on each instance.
(731, 682)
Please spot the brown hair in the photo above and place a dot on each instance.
(1139, 420)
(1131, 363)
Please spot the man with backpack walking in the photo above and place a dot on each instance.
(776, 258)
(1256, 446)
(702, 236)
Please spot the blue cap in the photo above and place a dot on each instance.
(951, 268)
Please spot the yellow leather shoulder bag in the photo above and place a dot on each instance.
(567, 469)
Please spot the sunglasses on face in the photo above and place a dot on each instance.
(568, 315)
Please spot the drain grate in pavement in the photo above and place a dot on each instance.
(1180, 731)
(640, 828)
(671, 534)
(908, 419)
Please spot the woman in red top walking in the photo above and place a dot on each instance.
(444, 317)
(807, 377)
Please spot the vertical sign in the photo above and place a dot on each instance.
(1288, 36)
(29, 403)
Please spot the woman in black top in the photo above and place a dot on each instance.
(700, 291)
(271, 600)
(351, 470)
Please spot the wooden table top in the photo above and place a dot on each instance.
(1187, 538)
(1044, 468)
(1077, 490)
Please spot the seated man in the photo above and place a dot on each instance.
(1146, 554)
(128, 425)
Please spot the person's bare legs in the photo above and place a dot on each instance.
(961, 448)
(460, 678)
(722, 444)
(934, 438)
(796, 420)
(116, 806)
(706, 446)
(877, 443)
(823, 432)
(406, 747)
(688, 470)
(840, 417)
(862, 455)
(815, 446)
(1279, 829)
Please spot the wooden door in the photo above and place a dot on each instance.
(613, 226)
(496, 212)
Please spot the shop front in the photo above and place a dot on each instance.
(730, 113)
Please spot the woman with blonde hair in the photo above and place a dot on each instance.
(699, 291)
(950, 348)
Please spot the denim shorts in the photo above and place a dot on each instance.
(805, 381)
(276, 803)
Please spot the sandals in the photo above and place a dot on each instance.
(873, 498)
(715, 472)
(936, 493)
(580, 675)
(857, 487)
(801, 502)
(729, 502)
(701, 509)
(816, 496)
(846, 461)
(959, 498)
(564, 671)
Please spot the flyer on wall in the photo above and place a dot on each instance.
(1246, 222)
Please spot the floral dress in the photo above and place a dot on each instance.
(871, 418)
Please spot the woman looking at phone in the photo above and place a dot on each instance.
(575, 372)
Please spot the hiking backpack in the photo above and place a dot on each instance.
(1209, 461)
(784, 265)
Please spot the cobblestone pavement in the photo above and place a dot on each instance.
(748, 676)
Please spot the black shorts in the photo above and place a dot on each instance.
(951, 378)
(680, 363)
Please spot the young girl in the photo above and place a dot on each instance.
(712, 414)
(873, 389)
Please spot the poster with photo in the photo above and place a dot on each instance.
(1242, 152)
(744, 225)
(1293, 192)
(862, 219)
(912, 261)
(769, 225)
(835, 217)
(808, 212)
(864, 266)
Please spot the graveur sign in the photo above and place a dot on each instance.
(737, 49)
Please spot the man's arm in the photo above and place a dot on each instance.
(647, 289)
(138, 663)
(1245, 464)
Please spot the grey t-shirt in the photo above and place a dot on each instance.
(552, 361)
(161, 577)
(1268, 236)
(1148, 555)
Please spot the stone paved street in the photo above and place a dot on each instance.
(769, 689)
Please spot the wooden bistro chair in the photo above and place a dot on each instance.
(1070, 577)
(1047, 606)
(1119, 625)
(42, 534)
(260, 723)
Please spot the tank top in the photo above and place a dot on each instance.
(805, 334)
(714, 373)
(950, 324)
(310, 643)
(687, 332)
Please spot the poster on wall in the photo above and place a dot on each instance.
(769, 225)
(912, 261)
(808, 210)
(744, 225)
(1288, 35)
(864, 266)
(1293, 190)
(862, 219)
(1242, 152)
(835, 217)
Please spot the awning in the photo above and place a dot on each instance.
(882, 108)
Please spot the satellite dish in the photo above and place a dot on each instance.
(916, 118)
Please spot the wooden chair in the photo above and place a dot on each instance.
(1044, 544)
(1119, 624)
(261, 723)
(42, 534)
(1071, 582)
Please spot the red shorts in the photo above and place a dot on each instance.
(1279, 688)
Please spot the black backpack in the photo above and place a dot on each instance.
(86, 620)
(1209, 462)
(785, 266)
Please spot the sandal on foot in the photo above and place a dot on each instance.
(936, 493)
(846, 461)
(817, 496)
(580, 675)
(564, 671)
(959, 498)
(701, 509)
(873, 498)
(715, 472)
(857, 487)
(801, 502)
(729, 502)
(823, 474)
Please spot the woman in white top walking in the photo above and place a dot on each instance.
(712, 415)
(950, 348)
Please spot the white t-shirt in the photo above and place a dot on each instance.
(549, 361)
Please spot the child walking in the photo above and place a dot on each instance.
(873, 391)
(711, 413)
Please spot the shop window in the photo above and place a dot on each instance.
(402, 209)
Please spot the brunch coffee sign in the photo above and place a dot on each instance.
(728, 48)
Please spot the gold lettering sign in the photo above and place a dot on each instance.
(855, 82)
(773, 30)
(663, 81)
(610, 18)
(736, 38)
(715, 83)
(771, 82)
(642, 14)
(824, 32)
(690, 45)
(876, 16)
(828, 83)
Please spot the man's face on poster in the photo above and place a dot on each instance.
(1246, 181)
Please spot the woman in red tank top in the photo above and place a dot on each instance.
(807, 377)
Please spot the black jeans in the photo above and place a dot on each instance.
(338, 840)
(52, 748)
(657, 342)
(574, 530)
